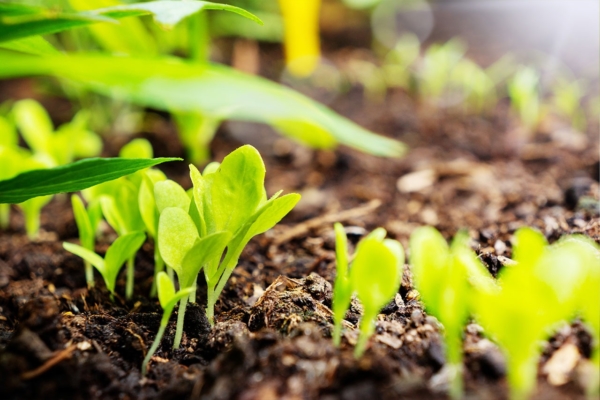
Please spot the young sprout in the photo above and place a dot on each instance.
(70, 141)
(521, 314)
(477, 89)
(446, 278)
(32, 208)
(122, 249)
(233, 199)
(87, 222)
(167, 298)
(374, 276)
(523, 90)
(567, 101)
(10, 154)
(186, 253)
(436, 69)
(398, 62)
(122, 212)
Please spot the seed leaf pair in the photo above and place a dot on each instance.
(374, 276)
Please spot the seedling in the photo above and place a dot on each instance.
(525, 310)
(446, 278)
(167, 298)
(32, 208)
(567, 101)
(477, 90)
(70, 141)
(229, 207)
(122, 249)
(374, 276)
(398, 62)
(523, 90)
(87, 221)
(436, 68)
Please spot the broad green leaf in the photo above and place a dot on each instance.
(84, 225)
(236, 190)
(122, 249)
(87, 255)
(18, 24)
(216, 91)
(429, 255)
(34, 124)
(71, 178)
(273, 212)
(169, 193)
(529, 246)
(137, 148)
(206, 249)
(177, 234)
(374, 274)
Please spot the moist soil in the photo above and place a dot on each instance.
(272, 336)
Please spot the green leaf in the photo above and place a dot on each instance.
(121, 209)
(87, 255)
(169, 193)
(166, 289)
(270, 214)
(71, 178)
(34, 124)
(341, 250)
(146, 201)
(177, 234)
(137, 148)
(35, 45)
(529, 247)
(374, 274)
(206, 249)
(16, 22)
(123, 248)
(236, 190)
(216, 91)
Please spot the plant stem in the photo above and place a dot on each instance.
(89, 274)
(210, 304)
(130, 278)
(337, 333)
(199, 38)
(367, 327)
(180, 319)
(454, 360)
(155, 344)
(522, 372)
(193, 294)
(32, 223)
(159, 265)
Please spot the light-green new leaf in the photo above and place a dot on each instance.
(169, 193)
(122, 249)
(177, 234)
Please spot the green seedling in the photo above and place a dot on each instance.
(70, 141)
(32, 208)
(523, 312)
(567, 102)
(523, 91)
(233, 199)
(436, 68)
(398, 62)
(122, 249)
(10, 154)
(229, 207)
(87, 221)
(374, 276)
(168, 298)
(476, 89)
(121, 211)
(446, 277)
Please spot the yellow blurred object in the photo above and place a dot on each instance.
(301, 37)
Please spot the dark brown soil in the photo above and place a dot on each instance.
(272, 336)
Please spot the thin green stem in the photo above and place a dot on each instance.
(130, 278)
(161, 331)
(337, 333)
(180, 319)
(89, 274)
(367, 327)
(32, 223)
(199, 38)
(159, 265)
(193, 294)
(454, 360)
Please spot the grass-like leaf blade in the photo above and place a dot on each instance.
(216, 91)
(71, 177)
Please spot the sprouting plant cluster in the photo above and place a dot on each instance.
(443, 76)
(202, 229)
(47, 147)
(547, 286)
